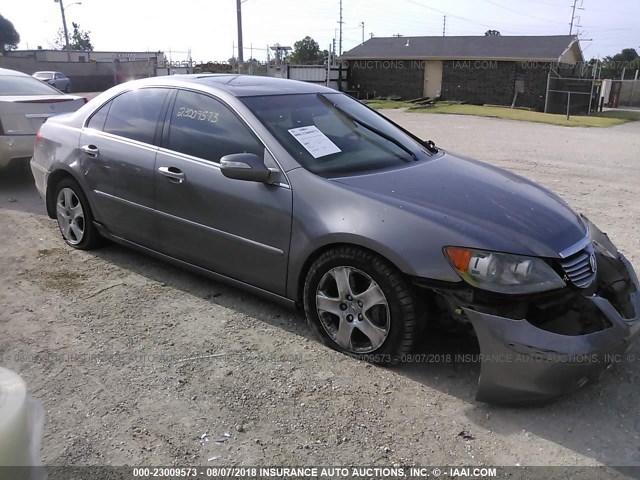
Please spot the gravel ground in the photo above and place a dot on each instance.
(137, 362)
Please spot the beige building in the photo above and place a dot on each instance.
(157, 58)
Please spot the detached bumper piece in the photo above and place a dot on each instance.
(539, 359)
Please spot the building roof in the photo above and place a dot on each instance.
(546, 48)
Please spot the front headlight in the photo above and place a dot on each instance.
(502, 272)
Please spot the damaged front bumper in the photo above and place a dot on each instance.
(540, 354)
(522, 363)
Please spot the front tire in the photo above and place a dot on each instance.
(359, 304)
(74, 216)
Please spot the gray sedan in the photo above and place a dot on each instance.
(304, 195)
(55, 79)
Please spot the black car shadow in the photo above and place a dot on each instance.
(445, 361)
(196, 285)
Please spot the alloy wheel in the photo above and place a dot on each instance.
(70, 215)
(353, 309)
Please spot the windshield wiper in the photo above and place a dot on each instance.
(371, 128)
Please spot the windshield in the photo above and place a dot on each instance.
(19, 85)
(43, 75)
(332, 134)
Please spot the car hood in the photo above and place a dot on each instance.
(484, 205)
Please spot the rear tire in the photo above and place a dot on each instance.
(67, 89)
(74, 216)
(359, 304)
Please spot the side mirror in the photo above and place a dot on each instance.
(244, 166)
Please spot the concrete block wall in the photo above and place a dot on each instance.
(382, 78)
(478, 82)
(85, 77)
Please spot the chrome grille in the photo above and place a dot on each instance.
(580, 268)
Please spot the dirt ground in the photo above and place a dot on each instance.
(138, 362)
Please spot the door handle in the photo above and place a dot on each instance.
(172, 173)
(90, 150)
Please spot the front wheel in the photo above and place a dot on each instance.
(74, 216)
(361, 305)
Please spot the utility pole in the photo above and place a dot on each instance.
(64, 27)
(362, 25)
(329, 66)
(573, 15)
(340, 22)
(268, 62)
(240, 51)
(444, 26)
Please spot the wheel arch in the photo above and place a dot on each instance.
(319, 251)
(54, 179)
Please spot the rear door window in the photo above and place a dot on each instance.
(135, 114)
(204, 127)
(97, 119)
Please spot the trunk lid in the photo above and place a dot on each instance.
(24, 115)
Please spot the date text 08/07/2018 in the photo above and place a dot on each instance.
(315, 472)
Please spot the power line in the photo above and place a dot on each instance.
(452, 15)
(527, 14)
(546, 4)
(606, 29)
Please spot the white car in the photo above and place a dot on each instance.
(25, 104)
(21, 426)
(55, 79)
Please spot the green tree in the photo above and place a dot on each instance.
(613, 66)
(306, 52)
(9, 38)
(492, 33)
(78, 39)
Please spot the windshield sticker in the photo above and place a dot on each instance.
(314, 141)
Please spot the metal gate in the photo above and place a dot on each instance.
(318, 74)
(571, 95)
(624, 93)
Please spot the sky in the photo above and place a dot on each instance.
(207, 28)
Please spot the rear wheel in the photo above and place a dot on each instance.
(361, 305)
(74, 216)
(67, 88)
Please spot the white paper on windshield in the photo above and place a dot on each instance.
(314, 141)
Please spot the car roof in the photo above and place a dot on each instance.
(6, 71)
(249, 85)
